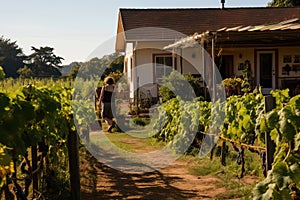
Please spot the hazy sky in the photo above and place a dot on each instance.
(76, 28)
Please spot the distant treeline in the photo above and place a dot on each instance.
(42, 62)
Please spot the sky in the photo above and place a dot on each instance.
(75, 28)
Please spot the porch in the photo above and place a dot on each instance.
(270, 51)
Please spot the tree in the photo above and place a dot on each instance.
(284, 3)
(93, 68)
(43, 62)
(11, 57)
(74, 71)
(114, 63)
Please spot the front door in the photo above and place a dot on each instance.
(225, 65)
(266, 70)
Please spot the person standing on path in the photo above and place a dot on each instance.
(106, 101)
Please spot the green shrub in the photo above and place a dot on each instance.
(176, 83)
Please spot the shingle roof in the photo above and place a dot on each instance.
(188, 21)
(285, 31)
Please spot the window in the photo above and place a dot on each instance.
(163, 66)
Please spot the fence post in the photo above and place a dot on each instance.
(73, 152)
(270, 104)
(34, 155)
(34, 160)
(138, 95)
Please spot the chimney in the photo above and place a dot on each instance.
(223, 2)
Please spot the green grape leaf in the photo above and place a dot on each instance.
(270, 193)
(286, 112)
(295, 120)
(272, 119)
(280, 169)
(263, 125)
(246, 122)
(275, 135)
(260, 189)
(297, 142)
(287, 130)
(282, 96)
(5, 159)
(295, 171)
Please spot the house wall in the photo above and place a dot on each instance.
(288, 52)
(240, 55)
(129, 63)
(193, 61)
(144, 71)
(189, 60)
(283, 78)
(142, 60)
(292, 79)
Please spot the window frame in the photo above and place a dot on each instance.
(170, 55)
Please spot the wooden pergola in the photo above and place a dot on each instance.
(285, 33)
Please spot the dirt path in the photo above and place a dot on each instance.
(172, 182)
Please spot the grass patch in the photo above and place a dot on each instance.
(235, 187)
(140, 121)
(127, 142)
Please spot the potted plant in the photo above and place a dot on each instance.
(232, 85)
(238, 85)
(228, 83)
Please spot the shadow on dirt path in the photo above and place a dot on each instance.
(99, 181)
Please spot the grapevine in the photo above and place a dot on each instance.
(239, 117)
(31, 118)
(283, 124)
(41, 117)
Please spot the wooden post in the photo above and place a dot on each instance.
(138, 95)
(34, 160)
(213, 95)
(270, 104)
(204, 77)
(74, 164)
(34, 157)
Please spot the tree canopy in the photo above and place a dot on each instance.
(43, 62)
(11, 57)
(104, 66)
(284, 3)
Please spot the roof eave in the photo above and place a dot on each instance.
(121, 37)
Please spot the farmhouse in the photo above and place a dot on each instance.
(264, 39)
